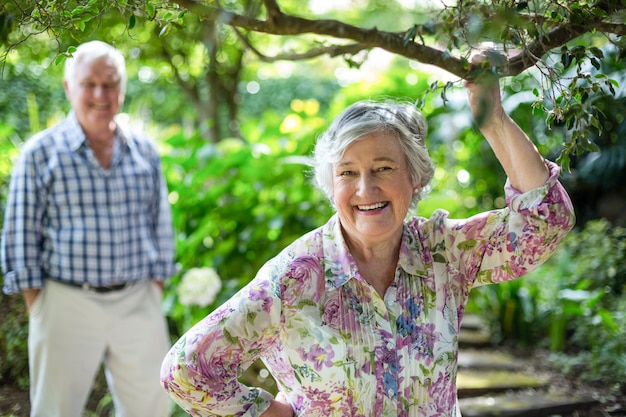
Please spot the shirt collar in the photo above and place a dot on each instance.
(77, 137)
(340, 266)
(411, 253)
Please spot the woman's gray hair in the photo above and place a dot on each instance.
(91, 51)
(363, 118)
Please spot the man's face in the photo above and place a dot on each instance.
(95, 93)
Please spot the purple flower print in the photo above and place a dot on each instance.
(319, 356)
(260, 293)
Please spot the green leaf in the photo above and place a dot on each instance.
(439, 258)
(131, 21)
(77, 10)
(151, 11)
(578, 51)
(597, 52)
(467, 244)
(409, 35)
(165, 30)
(566, 59)
(595, 63)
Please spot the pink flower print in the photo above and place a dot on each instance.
(511, 245)
(219, 369)
(473, 229)
(302, 274)
(218, 315)
(320, 402)
(332, 311)
(443, 392)
(303, 267)
(349, 407)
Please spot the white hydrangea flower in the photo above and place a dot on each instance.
(199, 286)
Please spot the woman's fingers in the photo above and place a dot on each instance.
(484, 90)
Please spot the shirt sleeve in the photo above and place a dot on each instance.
(501, 245)
(20, 249)
(163, 267)
(201, 370)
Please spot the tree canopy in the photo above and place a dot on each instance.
(564, 43)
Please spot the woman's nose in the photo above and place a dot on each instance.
(366, 183)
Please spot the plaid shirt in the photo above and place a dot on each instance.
(69, 219)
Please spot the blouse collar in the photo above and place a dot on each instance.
(340, 266)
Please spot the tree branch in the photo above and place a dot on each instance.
(332, 51)
(279, 23)
(282, 24)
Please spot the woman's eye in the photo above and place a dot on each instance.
(384, 169)
(347, 173)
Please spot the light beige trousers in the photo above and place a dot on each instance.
(72, 332)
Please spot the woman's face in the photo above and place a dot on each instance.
(372, 189)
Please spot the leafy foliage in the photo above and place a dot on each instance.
(13, 342)
(205, 44)
(14, 323)
(237, 204)
(577, 298)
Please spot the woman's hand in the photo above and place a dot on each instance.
(279, 407)
(484, 95)
(519, 157)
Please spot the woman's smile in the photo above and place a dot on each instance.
(373, 207)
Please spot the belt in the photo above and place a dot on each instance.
(100, 290)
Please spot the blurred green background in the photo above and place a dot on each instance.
(235, 134)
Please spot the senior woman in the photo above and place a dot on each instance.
(361, 316)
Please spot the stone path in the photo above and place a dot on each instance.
(493, 384)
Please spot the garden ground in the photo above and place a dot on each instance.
(14, 402)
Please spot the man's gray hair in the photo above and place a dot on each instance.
(91, 51)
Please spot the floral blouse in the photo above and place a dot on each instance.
(335, 347)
